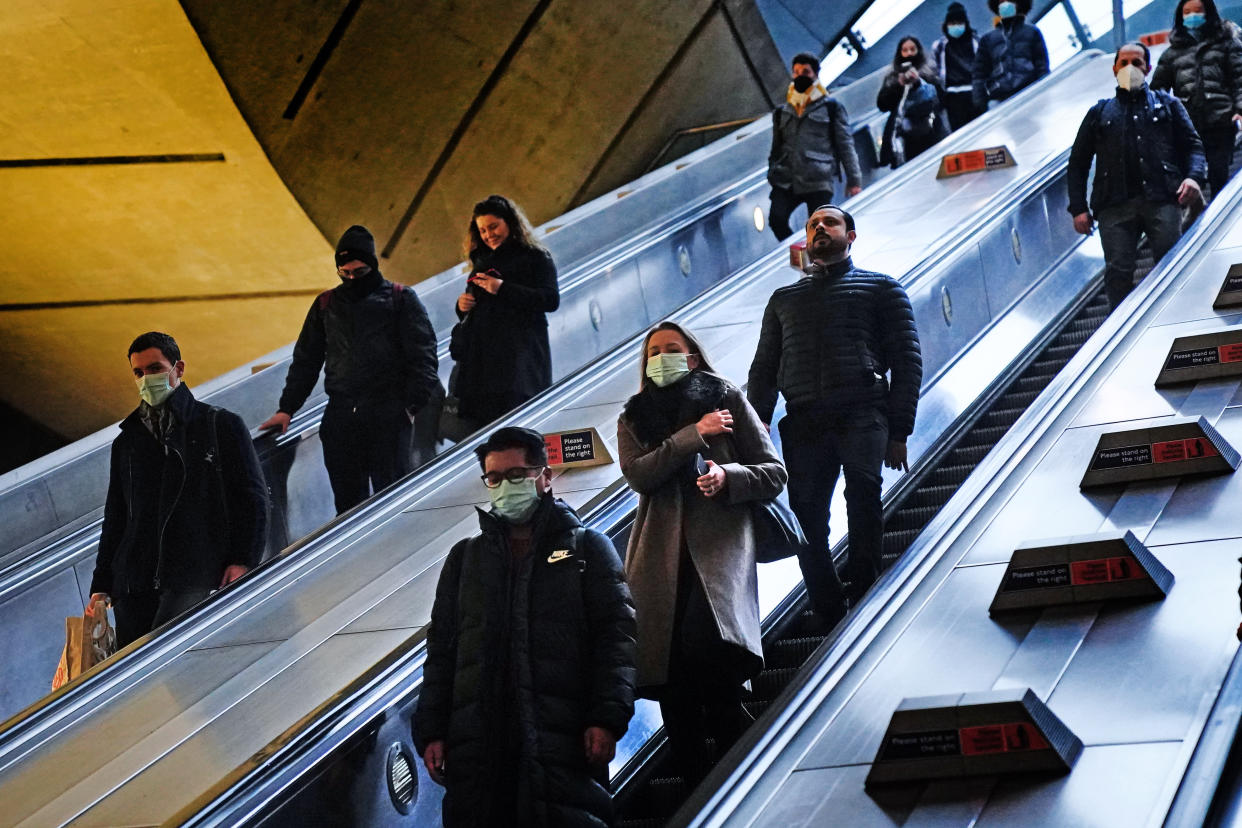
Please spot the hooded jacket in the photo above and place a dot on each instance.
(559, 634)
(1169, 150)
(808, 151)
(1205, 74)
(827, 341)
(501, 346)
(179, 512)
(372, 339)
(1009, 59)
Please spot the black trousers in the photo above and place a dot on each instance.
(960, 107)
(366, 447)
(140, 613)
(815, 454)
(1218, 149)
(784, 202)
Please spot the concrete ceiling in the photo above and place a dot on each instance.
(136, 198)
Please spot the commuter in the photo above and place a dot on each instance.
(501, 343)
(954, 56)
(913, 97)
(1203, 68)
(826, 343)
(697, 455)
(376, 347)
(1142, 173)
(811, 142)
(1010, 57)
(186, 511)
(529, 677)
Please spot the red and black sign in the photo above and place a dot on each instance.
(1078, 573)
(569, 447)
(1037, 577)
(1122, 456)
(965, 741)
(1192, 448)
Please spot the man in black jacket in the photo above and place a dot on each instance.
(378, 352)
(529, 678)
(1148, 160)
(826, 344)
(187, 505)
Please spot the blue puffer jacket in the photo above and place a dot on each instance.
(1009, 59)
(1169, 150)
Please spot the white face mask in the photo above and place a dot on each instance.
(154, 388)
(1130, 77)
(666, 369)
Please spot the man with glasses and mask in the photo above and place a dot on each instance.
(841, 345)
(529, 677)
(377, 349)
(186, 511)
(811, 140)
(1148, 163)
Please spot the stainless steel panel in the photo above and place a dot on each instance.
(1016, 253)
(32, 641)
(25, 515)
(941, 339)
(1047, 649)
(235, 733)
(831, 796)
(949, 646)
(590, 322)
(1111, 785)
(1194, 300)
(1145, 670)
(40, 777)
(1053, 481)
(1205, 508)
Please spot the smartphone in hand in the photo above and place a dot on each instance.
(700, 465)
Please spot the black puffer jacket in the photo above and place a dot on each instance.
(1206, 74)
(562, 639)
(1010, 58)
(375, 348)
(827, 341)
(501, 347)
(178, 514)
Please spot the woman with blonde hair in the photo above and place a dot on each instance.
(696, 453)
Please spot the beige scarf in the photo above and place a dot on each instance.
(800, 100)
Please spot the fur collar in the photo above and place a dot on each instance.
(655, 413)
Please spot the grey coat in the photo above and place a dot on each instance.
(807, 151)
(716, 531)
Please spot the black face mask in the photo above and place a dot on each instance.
(803, 83)
(361, 286)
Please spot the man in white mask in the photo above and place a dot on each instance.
(187, 503)
(529, 678)
(1149, 161)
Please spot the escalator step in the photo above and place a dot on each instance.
(970, 455)
(930, 496)
(790, 652)
(768, 684)
(987, 436)
(1001, 416)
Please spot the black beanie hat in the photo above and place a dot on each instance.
(357, 243)
(956, 13)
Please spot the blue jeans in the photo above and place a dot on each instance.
(815, 454)
(1120, 226)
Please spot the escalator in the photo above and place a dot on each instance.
(275, 655)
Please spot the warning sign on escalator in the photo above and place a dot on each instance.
(574, 449)
(981, 160)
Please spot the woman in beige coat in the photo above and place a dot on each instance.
(691, 559)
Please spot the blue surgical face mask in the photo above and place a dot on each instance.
(154, 388)
(1007, 9)
(1194, 21)
(666, 369)
(515, 502)
(956, 29)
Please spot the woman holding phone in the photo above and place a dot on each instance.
(697, 454)
(500, 344)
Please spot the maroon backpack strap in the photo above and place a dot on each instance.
(398, 292)
(324, 300)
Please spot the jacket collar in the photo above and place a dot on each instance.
(553, 517)
(180, 403)
(832, 271)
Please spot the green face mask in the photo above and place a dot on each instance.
(666, 369)
(154, 388)
(515, 502)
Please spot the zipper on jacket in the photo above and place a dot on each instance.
(159, 561)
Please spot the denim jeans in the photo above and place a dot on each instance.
(815, 454)
(1120, 227)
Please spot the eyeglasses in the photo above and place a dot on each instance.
(514, 475)
(353, 273)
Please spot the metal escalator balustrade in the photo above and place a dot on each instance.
(747, 290)
(1153, 689)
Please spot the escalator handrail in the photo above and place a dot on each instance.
(759, 749)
